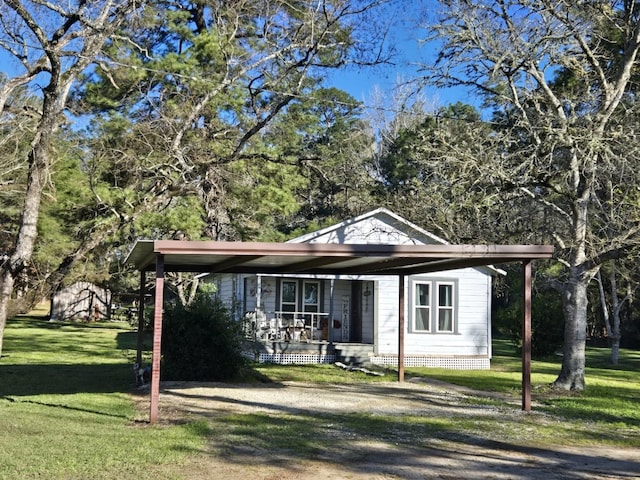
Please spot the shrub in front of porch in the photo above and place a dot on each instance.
(201, 342)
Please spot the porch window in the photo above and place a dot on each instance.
(300, 308)
(433, 306)
(310, 298)
(288, 296)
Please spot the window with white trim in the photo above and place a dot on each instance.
(445, 307)
(289, 296)
(422, 306)
(433, 306)
(311, 296)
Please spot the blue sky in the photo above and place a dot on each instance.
(405, 36)
(361, 82)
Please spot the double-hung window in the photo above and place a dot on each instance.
(288, 298)
(433, 306)
(422, 306)
(311, 299)
(445, 307)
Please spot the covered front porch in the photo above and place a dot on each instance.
(300, 308)
(318, 259)
(304, 337)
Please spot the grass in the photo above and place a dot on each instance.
(67, 411)
(607, 410)
(319, 374)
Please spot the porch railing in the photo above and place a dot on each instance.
(287, 326)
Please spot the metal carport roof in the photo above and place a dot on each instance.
(330, 259)
(322, 258)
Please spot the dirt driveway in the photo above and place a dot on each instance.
(349, 455)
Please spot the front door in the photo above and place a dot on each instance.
(355, 335)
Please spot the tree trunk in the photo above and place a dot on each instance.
(575, 300)
(6, 288)
(615, 334)
(615, 350)
(21, 254)
(613, 327)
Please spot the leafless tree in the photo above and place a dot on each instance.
(558, 76)
(50, 44)
(611, 311)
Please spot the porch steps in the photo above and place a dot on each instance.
(354, 354)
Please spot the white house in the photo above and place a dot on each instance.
(354, 318)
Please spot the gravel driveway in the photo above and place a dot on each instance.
(482, 455)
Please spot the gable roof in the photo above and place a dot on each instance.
(379, 226)
(410, 232)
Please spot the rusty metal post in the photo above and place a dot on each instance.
(139, 344)
(401, 328)
(157, 339)
(526, 336)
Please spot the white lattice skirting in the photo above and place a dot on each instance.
(453, 363)
(295, 358)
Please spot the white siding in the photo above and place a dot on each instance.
(380, 317)
(386, 315)
(268, 295)
(373, 230)
(225, 290)
(472, 336)
(243, 290)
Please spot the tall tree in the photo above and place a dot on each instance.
(16, 131)
(50, 45)
(429, 172)
(334, 146)
(205, 84)
(555, 143)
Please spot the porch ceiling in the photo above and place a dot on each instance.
(316, 258)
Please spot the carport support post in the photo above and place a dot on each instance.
(401, 328)
(157, 339)
(330, 319)
(526, 336)
(143, 277)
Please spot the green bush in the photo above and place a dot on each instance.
(201, 342)
(547, 323)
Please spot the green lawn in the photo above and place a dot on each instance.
(609, 403)
(67, 410)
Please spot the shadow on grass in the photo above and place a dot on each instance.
(42, 357)
(26, 380)
(30, 337)
(70, 408)
(129, 341)
(27, 321)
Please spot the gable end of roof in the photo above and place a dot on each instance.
(377, 213)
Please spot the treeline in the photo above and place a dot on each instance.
(194, 120)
